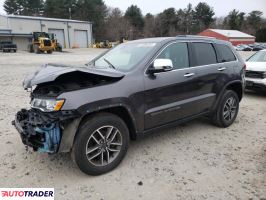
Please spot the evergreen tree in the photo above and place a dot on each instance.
(134, 15)
(168, 20)
(11, 7)
(64, 9)
(203, 16)
(94, 11)
(235, 20)
(24, 7)
(254, 19)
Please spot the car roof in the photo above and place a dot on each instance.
(151, 40)
(180, 37)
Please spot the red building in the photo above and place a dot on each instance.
(233, 36)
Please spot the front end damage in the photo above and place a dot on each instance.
(50, 126)
(42, 131)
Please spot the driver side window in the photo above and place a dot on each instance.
(178, 53)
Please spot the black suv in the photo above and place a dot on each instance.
(133, 89)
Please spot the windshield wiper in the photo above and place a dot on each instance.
(110, 64)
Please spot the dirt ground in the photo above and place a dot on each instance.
(194, 161)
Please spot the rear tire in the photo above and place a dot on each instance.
(101, 144)
(227, 109)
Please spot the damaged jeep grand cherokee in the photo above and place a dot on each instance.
(133, 89)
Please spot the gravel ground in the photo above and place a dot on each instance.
(193, 161)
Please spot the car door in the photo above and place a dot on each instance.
(169, 96)
(212, 71)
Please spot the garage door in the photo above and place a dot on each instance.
(22, 43)
(59, 35)
(81, 39)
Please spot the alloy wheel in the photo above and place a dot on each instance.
(230, 108)
(104, 146)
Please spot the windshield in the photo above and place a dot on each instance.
(125, 56)
(258, 57)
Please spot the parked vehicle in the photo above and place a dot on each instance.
(256, 72)
(263, 45)
(131, 90)
(8, 46)
(41, 43)
(257, 48)
(250, 47)
(105, 44)
(243, 47)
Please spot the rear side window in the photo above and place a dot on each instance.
(225, 53)
(204, 53)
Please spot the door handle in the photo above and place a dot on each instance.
(189, 75)
(222, 69)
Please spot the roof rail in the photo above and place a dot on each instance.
(196, 36)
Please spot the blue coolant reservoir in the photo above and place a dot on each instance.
(52, 136)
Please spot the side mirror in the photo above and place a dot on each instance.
(161, 65)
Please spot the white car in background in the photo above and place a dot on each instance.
(256, 71)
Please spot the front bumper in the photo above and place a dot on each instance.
(255, 84)
(42, 131)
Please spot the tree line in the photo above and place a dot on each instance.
(112, 24)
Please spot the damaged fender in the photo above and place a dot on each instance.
(54, 132)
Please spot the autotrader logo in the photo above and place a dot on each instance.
(27, 193)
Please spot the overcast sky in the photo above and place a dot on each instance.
(221, 7)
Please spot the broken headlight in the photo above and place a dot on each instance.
(47, 105)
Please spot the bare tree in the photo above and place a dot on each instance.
(150, 25)
(117, 26)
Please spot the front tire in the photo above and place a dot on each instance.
(101, 144)
(227, 109)
(30, 48)
(36, 49)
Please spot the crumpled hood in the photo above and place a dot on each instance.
(256, 66)
(50, 72)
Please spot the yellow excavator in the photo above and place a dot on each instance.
(40, 43)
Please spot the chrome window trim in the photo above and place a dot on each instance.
(209, 42)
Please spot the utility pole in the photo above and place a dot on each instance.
(70, 17)
(70, 10)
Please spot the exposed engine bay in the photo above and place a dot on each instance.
(69, 82)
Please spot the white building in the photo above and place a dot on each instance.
(69, 33)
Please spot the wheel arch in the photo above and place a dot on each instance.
(119, 111)
(236, 86)
(71, 129)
